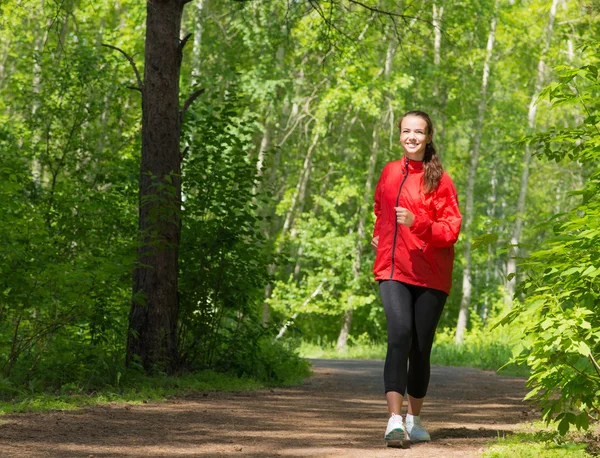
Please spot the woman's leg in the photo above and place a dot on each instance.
(398, 304)
(429, 304)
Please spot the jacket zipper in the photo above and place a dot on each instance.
(396, 226)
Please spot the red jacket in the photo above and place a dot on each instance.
(422, 254)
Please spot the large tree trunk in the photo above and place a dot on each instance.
(463, 315)
(154, 308)
(511, 268)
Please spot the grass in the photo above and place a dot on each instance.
(545, 443)
(136, 391)
(328, 351)
(481, 349)
(484, 351)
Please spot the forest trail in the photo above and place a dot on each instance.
(340, 412)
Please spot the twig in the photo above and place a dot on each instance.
(595, 363)
(583, 374)
(140, 86)
(183, 153)
(293, 317)
(387, 13)
(189, 101)
(185, 40)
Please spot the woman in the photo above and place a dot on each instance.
(417, 225)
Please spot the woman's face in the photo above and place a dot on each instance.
(414, 137)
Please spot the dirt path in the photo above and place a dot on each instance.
(340, 412)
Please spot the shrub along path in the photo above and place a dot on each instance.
(340, 412)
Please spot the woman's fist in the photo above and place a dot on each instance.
(375, 242)
(404, 216)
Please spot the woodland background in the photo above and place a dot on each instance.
(291, 119)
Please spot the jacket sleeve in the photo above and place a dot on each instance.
(444, 231)
(377, 206)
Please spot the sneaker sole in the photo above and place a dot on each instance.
(396, 443)
(395, 438)
(415, 441)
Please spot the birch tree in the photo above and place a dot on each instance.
(511, 268)
(465, 303)
(367, 197)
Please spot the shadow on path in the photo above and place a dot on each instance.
(339, 412)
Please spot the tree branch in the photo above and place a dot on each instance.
(185, 40)
(189, 101)
(140, 86)
(305, 303)
(391, 14)
(183, 153)
(380, 11)
(595, 364)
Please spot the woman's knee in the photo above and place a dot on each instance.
(400, 336)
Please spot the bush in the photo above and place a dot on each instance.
(561, 310)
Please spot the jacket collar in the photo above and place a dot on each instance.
(413, 166)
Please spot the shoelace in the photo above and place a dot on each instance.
(396, 419)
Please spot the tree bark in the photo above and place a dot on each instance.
(463, 315)
(197, 46)
(440, 101)
(154, 308)
(511, 268)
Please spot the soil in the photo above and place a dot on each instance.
(339, 412)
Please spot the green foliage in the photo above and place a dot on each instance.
(483, 348)
(132, 389)
(328, 284)
(223, 262)
(284, 88)
(68, 209)
(561, 342)
(358, 348)
(69, 136)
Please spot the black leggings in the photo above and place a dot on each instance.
(412, 314)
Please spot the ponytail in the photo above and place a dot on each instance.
(432, 169)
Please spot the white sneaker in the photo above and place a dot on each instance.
(395, 434)
(416, 432)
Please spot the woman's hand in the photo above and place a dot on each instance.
(375, 242)
(404, 216)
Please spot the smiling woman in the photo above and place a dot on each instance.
(418, 222)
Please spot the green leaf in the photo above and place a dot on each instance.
(583, 348)
(483, 240)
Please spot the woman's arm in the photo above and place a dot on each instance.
(445, 230)
(377, 205)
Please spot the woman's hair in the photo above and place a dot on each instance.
(432, 167)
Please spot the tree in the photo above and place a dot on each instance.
(465, 303)
(511, 268)
(154, 309)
